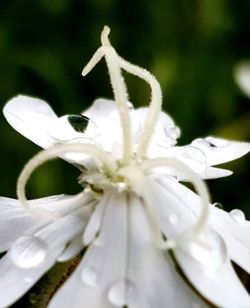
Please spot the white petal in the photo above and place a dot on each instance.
(73, 248)
(95, 221)
(15, 221)
(214, 173)
(101, 108)
(16, 280)
(170, 204)
(102, 265)
(151, 272)
(218, 150)
(236, 233)
(165, 132)
(31, 117)
(210, 271)
(242, 77)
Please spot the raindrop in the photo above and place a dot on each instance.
(172, 131)
(218, 205)
(78, 122)
(89, 276)
(210, 251)
(195, 154)
(238, 216)
(28, 251)
(120, 292)
(173, 219)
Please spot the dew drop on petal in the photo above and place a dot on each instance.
(218, 205)
(173, 219)
(172, 131)
(120, 291)
(28, 251)
(195, 154)
(89, 276)
(28, 279)
(238, 216)
(211, 252)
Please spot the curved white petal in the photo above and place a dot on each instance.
(211, 273)
(174, 216)
(218, 150)
(31, 117)
(103, 263)
(151, 272)
(101, 108)
(242, 76)
(165, 132)
(15, 221)
(236, 233)
(72, 249)
(214, 173)
(16, 280)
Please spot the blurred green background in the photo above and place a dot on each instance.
(190, 46)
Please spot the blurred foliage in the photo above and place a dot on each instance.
(191, 47)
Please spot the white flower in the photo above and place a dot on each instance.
(242, 76)
(149, 237)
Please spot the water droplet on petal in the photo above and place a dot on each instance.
(211, 251)
(218, 205)
(28, 251)
(79, 122)
(195, 154)
(89, 276)
(173, 219)
(120, 292)
(172, 131)
(238, 216)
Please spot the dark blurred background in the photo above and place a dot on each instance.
(191, 46)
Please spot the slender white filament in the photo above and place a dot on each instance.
(201, 189)
(118, 87)
(109, 167)
(154, 107)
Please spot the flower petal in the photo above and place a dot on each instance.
(242, 76)
(103, 263)
(15, 279)
(31, 117)
(218, 150)
(236, 233)
(15, 221)
(210, 270)
(214, 173)
(154, 281)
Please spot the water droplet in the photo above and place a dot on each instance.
(173, 218)
(195, 154)
(78, 122)
(120, 292)
(211, 251)
(238, 216)
(172, 131)
(89, 276)
(28, 251)
(218, 205)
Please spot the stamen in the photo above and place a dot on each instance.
(118, 87)
(201, 188)
(154, 107)
(108, 164)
